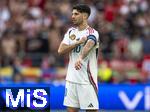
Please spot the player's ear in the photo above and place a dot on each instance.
(85, 16)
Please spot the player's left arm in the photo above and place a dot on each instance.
(91, 42)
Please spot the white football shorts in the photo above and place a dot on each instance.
(82, 96)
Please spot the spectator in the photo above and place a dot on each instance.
(8, 47)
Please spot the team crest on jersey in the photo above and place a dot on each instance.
(72, 37)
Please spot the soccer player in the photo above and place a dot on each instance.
(81, 42)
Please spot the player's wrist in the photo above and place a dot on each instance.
(81, 57)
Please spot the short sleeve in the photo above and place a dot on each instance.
(66, 39)
(94, 36)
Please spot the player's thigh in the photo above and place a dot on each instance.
(71, 98)
(88, 98)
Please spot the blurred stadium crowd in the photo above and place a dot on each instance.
(31, 31)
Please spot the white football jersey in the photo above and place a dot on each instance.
(88, 72)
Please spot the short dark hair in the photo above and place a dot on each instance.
(82, 8)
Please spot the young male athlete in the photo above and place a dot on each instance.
(81, 42)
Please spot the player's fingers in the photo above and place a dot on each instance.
(84, 38)
(78, 66)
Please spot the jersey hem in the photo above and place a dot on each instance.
(78, 82)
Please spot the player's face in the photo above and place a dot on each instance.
(77, 17)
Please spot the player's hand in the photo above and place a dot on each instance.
(82, 40)
(78, 64)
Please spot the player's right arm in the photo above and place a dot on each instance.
(67, 45)
(65, 48)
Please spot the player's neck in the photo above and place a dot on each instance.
(83, 26)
